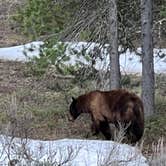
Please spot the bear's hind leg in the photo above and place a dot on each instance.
(136, 132)
(95, 129)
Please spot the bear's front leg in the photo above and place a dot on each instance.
(95, 128)
(105, 129)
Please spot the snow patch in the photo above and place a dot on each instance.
(73, 152)
(129, 61)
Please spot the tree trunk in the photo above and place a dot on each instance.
(147, 57)
(112, 34)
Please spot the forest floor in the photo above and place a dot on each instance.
(9, 33)
(37, 107)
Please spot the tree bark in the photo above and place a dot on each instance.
(148, 90)
(112, 34)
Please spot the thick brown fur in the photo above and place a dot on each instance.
(111, 107)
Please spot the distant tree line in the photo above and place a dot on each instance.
(41, 18)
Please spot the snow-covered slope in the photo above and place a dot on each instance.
(70, 152)
(129, 62)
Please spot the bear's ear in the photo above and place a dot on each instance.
(73, 99)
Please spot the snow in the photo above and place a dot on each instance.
(132, 63)
(75, 152)
(17, 52)
(129, 61)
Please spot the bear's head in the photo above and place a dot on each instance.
(74, 112)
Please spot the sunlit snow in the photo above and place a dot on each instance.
(70, 152)
(129, 62)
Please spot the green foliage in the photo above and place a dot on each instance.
(160, 103)
(155, 125)
(45, 18)
(125, 81)
(52, 53)
(163, 11)
(40, 17)
(3, 118)
(155, 128)
(85, 35)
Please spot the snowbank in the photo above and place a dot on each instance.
(17, 52)
(129, 62)
(73, 152)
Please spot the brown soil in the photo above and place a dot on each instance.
(29, 91)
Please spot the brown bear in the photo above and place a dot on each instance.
(116, 106)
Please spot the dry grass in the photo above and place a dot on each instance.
(8, 34)
(158, 157)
